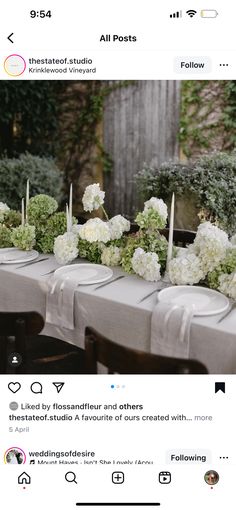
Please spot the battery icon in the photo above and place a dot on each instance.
(208, 13)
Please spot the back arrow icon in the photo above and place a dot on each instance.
(9, 37)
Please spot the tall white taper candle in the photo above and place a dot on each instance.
(22, 212)
(27, 201)
(70, 205)
(171, 229)
(67, 219)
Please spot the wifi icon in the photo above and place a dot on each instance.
(191, 12)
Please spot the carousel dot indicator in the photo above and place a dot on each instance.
(14, 65)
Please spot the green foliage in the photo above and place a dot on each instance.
(229, 113)
(42, 172)
(85, 106)
(190, 131)
(29, 116)
(58, 119)
(81, 108)
(196, 127)
(5, 237)
(211, 180)
(12, 219)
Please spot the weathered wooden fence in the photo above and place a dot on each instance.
(141, 122)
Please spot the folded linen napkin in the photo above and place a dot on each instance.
(60, 301)
(170, 330)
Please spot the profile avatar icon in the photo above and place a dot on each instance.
(14, 65)
(14, 455)
(211, 477)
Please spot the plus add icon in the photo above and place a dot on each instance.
(118, 477)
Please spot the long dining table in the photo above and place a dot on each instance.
(116, 311)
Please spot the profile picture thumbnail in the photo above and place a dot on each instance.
(211, 477)
(14, 455)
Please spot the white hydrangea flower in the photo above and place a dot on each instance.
(3, 209)
(146, 264)
(186, 270)
(210, 246)
(118, 225)
(158, 205)
(111, 256)
(95, 230)
(93, 197)
(65, 248)
(228, 284)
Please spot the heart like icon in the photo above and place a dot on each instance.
(14, 387)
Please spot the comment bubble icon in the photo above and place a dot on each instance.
(36, 387)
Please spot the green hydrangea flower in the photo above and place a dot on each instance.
(23, 237)
(152, 242)
(227, 266)
(5, 237)
(93, 251)
(150, 219)
(48, 231)
(40, 208)
(90, 251)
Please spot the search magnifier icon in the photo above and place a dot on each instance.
(70, 476)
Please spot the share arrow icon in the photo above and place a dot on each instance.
(58, 386)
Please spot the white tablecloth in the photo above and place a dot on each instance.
(115, 311)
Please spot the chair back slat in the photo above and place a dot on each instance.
(123, 360)
(3, 357)
(11, 323)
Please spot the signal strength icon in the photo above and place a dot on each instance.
(177, 14)
(191, 12)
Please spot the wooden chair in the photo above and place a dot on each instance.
(123, 360)
(19, 326)
(41, 354)
(180, 237)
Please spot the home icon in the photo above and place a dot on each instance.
(24, 478)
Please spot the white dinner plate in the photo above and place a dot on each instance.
(15, 256)
(85, 274)
(203, 300)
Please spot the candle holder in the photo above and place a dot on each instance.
(166, 277)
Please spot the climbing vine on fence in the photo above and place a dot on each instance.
(208, 116)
